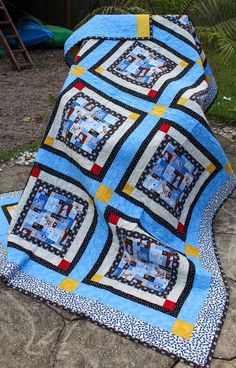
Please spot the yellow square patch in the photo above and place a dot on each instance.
(182, 101)
(183, 64)
(91, 201)
(96, 278)
(211, 168)
(208, 79)
(77, 70)
(134, 116)
(158, 110)
(104, 194)
(49, 141)
(228, 168)
(11, 209)
(143, 25)
(69, 284)
(128, 189)
(182, 329)
(191, 251)
(200, 62)
(99, 70)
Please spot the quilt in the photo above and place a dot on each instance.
(115, 221)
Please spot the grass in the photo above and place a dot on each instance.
(222, 110)
(13, 153)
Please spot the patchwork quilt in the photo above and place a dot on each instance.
(115, 221)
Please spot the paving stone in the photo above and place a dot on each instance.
(227, 144)
(13, 178)
(227, 251)
(217, 363)
(29, 331)
(225, 221)
(86, 345)
(226, 346)
(229, 148)
(232, 159)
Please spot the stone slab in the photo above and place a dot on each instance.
(29, 331)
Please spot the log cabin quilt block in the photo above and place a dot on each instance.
(115, 220)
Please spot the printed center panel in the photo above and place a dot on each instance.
(170, 176)
(54, 225)
(140, 268)
(143, 67)
(88, 127)
(144, 263)
(167, 174)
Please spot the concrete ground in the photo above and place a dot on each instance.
(35, 335)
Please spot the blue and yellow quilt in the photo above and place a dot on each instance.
(115, 221)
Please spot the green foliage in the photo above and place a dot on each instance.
(215, 20)
(14, 153)
(223, 110)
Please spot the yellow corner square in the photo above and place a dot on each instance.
(182, 329)
(228, 168)
(104, 194)
(158, 110)
(182, 101)
(143, 25)
(211, 168)
(11, 208)
(99, 70)
(77, 70)
(200, 62)
(183, 64)
(134, 116)
(128, 189)
(49, 141)
(68, 284)
(96, 278)
(192, 251)
(208, 79)
(91, 201)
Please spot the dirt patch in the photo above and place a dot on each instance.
(27, 97)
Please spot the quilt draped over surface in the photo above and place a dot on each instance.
(115, 221)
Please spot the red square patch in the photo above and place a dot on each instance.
(35, 172)
(96, 169)
(76, 59)
(152, 93)
(64, 265)
(79, 86)
(180, 228)
(113, 219)
(169, 304)
(164, 128)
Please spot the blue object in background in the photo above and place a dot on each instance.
(32, 34)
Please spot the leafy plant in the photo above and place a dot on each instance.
(214, 20)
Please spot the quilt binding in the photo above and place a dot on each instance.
(213, 207)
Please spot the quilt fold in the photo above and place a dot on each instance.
(115, 221)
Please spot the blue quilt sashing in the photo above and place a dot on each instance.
(115, 221)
